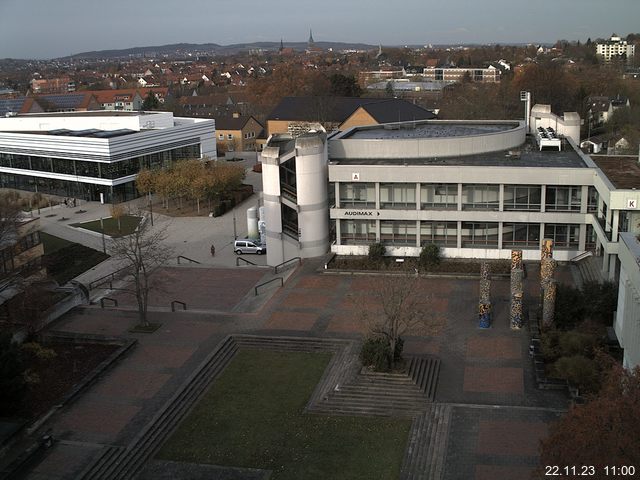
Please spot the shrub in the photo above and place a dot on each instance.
(377, 251)
(12, 375)
(600, 301)
(375, 353)
(37, 351)
(556, 344)
(580, 371)
(569, 307)
(430, 256)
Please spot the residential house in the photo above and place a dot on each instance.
(238, 133)
(294, 114)
(614, 48)
(52, 85)
(125, 99)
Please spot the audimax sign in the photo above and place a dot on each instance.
(361, 213)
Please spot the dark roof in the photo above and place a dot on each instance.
(395, 110)
(623, 172)
(233, 123)
(11, 105)
(338, 109)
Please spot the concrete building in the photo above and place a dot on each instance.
(490, 74)
(627, 319)
(96, 155)
(477, 188)
(615, 47)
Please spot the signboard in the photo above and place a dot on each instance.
(355, 177)
(361, 213)
(632, 204)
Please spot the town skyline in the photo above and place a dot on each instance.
(48, 35)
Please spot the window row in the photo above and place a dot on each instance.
(444, 196)
(472, 234)
(112, 170)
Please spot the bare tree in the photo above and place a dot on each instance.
(143, 252)
(398, 306)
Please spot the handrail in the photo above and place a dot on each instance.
(115, 302)
(268, 282)
(173, 305)
(248, 262)
(275, 269)
(187, 258)
(110, 276)
(582, 256)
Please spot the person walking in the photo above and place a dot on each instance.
(213, 250)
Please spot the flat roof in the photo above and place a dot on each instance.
(622, 171)
(89, 113)
(437, 129)
(527, 155)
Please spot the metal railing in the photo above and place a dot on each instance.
(113, 300)
(582, 256)
(267, 283)
(287, 262)
(107, 278)
(178, 302)
(188, 259)
(248, 262)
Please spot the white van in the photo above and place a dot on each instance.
(247, 245)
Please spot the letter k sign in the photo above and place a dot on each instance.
(632, 203)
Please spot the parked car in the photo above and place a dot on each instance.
(246, 245)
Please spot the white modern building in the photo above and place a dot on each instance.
(97, 154)
(478, 189)
(627, 321)
(615, 47)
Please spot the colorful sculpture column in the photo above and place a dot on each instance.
(547, 283)
(484, 306)
(517, 290)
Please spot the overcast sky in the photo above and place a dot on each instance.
(55, 28)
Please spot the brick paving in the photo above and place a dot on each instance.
(494, 380)
(486, 367)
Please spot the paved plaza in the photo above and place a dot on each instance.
(498, 414)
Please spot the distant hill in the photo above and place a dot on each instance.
(214, 48)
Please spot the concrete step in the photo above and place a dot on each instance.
(426, 450)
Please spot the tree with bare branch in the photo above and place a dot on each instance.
(143, 252)
(398, 305)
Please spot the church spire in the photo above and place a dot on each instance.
(281, 46)
(310, 42)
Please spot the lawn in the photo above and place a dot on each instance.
(252, 417)
(128, 223)
(66, 260)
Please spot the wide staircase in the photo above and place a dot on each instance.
(425, 454)
(590, 268)
(384, 394)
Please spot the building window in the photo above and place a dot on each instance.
(221, 136)
(398, 196)
(564, 199)
(357, 195)
(592, 201)
(520, 235)
(480, 197)
(479, 234)
(444, 234)
(357, 232)
(230, 136)
(522, 197)
(439, 196)
(290, 221)
(398, 233)
(563, 236)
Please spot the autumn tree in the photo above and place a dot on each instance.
(142, 253)
(602, 432)
(118, 211)
(398, 305)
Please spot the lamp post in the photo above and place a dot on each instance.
(104, 245)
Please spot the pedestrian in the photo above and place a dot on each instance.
(65, 203)
(213, 250)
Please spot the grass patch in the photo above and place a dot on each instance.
(53, 244)
(128, 224)
(65, 260)
(252, 417)
(152, 327)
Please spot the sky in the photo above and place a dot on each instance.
(54, 28)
